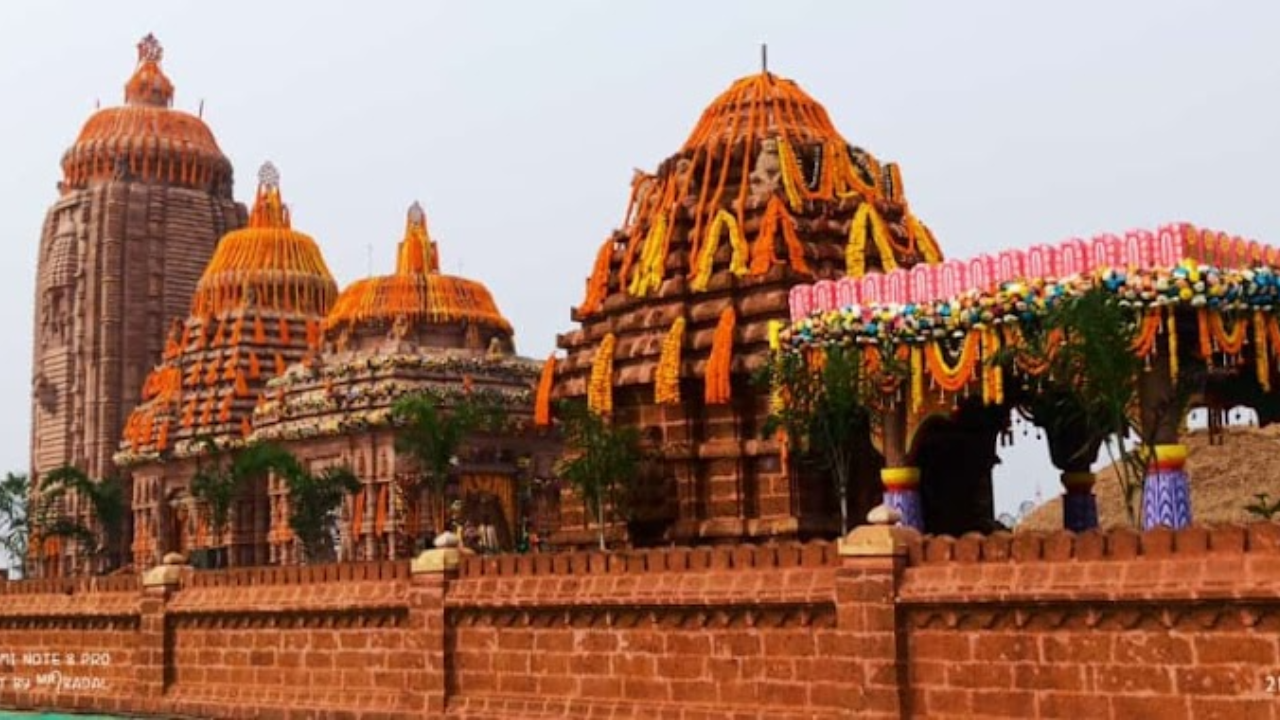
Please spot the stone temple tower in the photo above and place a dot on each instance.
(145, 195)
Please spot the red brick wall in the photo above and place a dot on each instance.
(1121, 625)
(744, 629)
(1118, 625)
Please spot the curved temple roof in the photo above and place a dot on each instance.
(145, 138)
(417, 292)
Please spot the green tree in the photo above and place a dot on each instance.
(220, 478)
(604, 460)
(822, 411)
(107, 504)
(15, 523)
(1090, 393)
(432, 435)
(313, 501)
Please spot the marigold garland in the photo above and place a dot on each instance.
(598, 283)
(542, 403)
(1144, 343)
(720, 362)
(1230, 343)
(707, 256)
(600, 387)
(790, 171)
(666, 381)
(763, 255)
(1261, 355)
(917, 379)
(1171, 335)
(954, 378)
(653, 259)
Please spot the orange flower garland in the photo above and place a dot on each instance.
(720, 362)
(600, 388)
(666, 381)
(1261, 357)
(542, 402)
(762, 252)
(598, 283)
(952, 378)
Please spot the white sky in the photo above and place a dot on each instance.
(517, 124)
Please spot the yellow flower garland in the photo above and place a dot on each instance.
(600, 389)
(653, 258)
(790, 170)
(666, 381)
(707, 255)
(1172, 335)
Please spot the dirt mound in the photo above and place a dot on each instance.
(1224, 479)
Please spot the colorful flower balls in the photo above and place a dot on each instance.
(1197, 286)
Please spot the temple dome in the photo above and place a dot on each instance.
(257, 310)
(419, 295)
(762, 105)
(146, 138)
(267, 263)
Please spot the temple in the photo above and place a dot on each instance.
(416, 332)
(145, 194)
(258, 308)
(765, 194)
(766, 238)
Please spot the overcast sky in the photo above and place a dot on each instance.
(517, 124)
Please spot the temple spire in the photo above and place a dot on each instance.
(149, 85)
(417, 254)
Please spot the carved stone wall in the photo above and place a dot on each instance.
(118, 262)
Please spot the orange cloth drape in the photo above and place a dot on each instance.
(500, 486)
(357, 515)
(380, 512)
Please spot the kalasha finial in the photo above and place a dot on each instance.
(416, 214)
(149, 50)
(764, 58)
(268, 175)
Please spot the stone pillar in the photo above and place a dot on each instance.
(150, 668)
(1079, 505)
(1166, 490)
(872, 559)
(428, 636)
(901, 481)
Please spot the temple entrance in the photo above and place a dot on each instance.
(488, 512)
(956, 456)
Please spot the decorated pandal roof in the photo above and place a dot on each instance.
(257, 309)
(146, 138)
(951, 320)
(765, 192)
(416, 331)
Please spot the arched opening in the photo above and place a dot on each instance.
(956, 456)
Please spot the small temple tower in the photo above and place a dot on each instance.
(765, 194)
(257, 309)
(144, 197)
(416, 331)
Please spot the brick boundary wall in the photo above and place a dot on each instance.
(884, 624)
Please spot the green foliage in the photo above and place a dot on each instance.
(432, 435)
(219, 478)
(15, 521)
(823, 410)
(106, 501)
(1090, 391)
(1263, 507)
(313, 500)
(603, 460)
